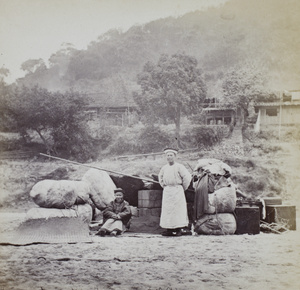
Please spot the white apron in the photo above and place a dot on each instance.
(174, 208)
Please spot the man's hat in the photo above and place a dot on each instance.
(118, 190)
(171, 149)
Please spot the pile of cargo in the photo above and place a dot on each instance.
(72, 198)
(215, 198)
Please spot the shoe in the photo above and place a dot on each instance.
(177, 234)
(102, 232)
(186, 232)
(167, 233)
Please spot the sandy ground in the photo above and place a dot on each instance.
(144, 261)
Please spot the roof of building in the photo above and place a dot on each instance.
(277, 104)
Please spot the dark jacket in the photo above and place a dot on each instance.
(114, 209)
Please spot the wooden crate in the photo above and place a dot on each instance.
(247, 219)
(272, 200)
(282, 214)
(149, 198)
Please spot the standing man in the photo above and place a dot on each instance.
(174, 179)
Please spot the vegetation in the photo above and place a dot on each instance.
(243, 84)
(57, 118)
(239, 59)
(219, 38)
(171, 88)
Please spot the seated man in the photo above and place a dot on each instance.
(116, 216)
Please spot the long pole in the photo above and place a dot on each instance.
(95, 167)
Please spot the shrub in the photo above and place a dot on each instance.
(139, 140)
(153, 139)
(208, 136)
(76, 143)
(105, 137)
(255, 186)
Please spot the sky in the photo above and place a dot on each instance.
(33, 29)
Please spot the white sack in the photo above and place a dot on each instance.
(60, 193)
(102, 187)
(220, 224)
(214, 166)
(223, 200)
(83, 211)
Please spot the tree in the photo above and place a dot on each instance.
(57, 118)
(171, 88)
(32, 65)
(243, 84)
(4, 72)
(4, 97)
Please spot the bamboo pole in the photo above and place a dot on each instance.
(264, 224)
(152, 154)
(95, 167)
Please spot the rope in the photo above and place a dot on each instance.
(219, 223)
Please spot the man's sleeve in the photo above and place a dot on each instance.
(160, 177)
(109, 212)
(186, 177)
(126, 212)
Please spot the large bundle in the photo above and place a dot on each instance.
(214, 190)
(101, 187)
(216, 224)
(214, 166)
(222, 200)
(60, 194)
(83, 211)
(215, 198)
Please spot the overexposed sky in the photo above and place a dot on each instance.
(33, 29)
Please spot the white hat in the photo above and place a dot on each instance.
(168, 150)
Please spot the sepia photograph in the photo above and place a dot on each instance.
(149, 144)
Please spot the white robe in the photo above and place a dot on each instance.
(174, 179)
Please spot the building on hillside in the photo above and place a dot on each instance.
(285, 111)
(217, 113)
(107, 110)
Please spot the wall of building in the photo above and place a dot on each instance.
(289, 115)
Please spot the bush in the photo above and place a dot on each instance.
(76, 143)
(152, 139)
(208, 136)
(105, 137)
(139, 140)
(124, 144)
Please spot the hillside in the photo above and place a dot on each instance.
(238, 33)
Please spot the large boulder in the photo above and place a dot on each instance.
(216, 224)
(60, 194)
(101, 187)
